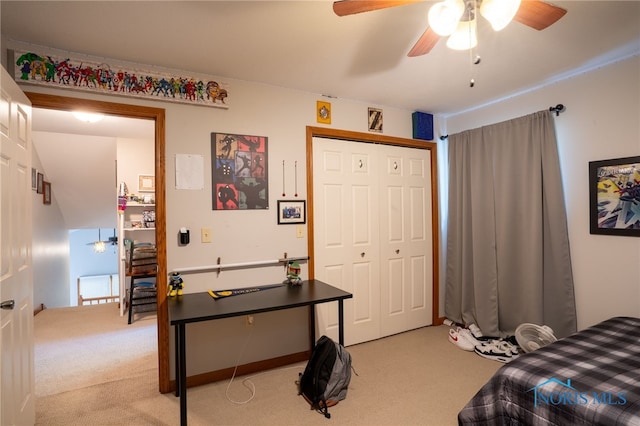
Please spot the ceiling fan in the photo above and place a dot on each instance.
(100, 245)
(536, 14)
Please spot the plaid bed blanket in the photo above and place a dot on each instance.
(589, 378)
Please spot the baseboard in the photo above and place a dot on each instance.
(254, 367)
(439, 321)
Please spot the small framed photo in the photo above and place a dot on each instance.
(291, 211)
(39, 180)
(46, 192)
(614, 196)
(146, 183)
(375, 120)
(323, 112)
(34, 179)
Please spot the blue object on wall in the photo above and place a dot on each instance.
(422, 125)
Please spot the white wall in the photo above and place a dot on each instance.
(50, 249)
(238, 236)
(134, 157)
(601, 121)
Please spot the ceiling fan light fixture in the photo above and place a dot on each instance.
(499, 12)
(99, 247)
(465, 37)
(445, 15)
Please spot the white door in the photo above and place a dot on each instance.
(373, 236)
(16, 286)
(346, 247)
(405, 239)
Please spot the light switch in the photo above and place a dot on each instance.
(205, 235)
(300, 231)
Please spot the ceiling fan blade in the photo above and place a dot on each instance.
(424, 44)
(350, 7)
(538, 14)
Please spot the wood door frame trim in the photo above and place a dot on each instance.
(350, 136)
(39, 100)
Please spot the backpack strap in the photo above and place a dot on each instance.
(324, 409)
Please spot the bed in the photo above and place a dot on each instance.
(589, 378)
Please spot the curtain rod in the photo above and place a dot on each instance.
(219, 266)
(557, 109)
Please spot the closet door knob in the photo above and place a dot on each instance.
(397, 251)
(362, 254)
(8, 304)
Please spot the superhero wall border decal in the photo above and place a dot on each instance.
(114, 79)
(239, 175)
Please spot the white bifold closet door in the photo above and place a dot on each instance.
(373, 236)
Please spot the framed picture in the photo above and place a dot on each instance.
(146, 183)
(239, 172)
(614, 196)
(323, 112)
(39, 180)
(375, 120)
(34, 179)
(46, 192)
(291, 211)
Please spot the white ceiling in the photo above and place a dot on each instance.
(54, 121)
(303, 45)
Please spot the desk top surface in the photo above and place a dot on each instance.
(195, 307)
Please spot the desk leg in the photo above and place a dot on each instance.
(182, 367)
(177, 358)
(312, 324)
(341, 321)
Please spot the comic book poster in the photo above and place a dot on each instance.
(239, 174)
(615, 196)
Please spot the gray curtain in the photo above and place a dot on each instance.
(508, 259)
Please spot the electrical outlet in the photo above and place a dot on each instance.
(205, 235)
(300, 231)
(249, 320)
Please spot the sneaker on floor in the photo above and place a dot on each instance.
(464, 334)
(456, 339)
(497, 350)
(475, 330)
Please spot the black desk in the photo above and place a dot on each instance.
(196, 307)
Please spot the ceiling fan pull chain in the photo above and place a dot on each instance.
(472, 81)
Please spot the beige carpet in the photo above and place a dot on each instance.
(87, 345)
(414, 378)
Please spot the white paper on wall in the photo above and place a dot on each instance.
(189, 171)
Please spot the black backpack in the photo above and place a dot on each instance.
(326, 377)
